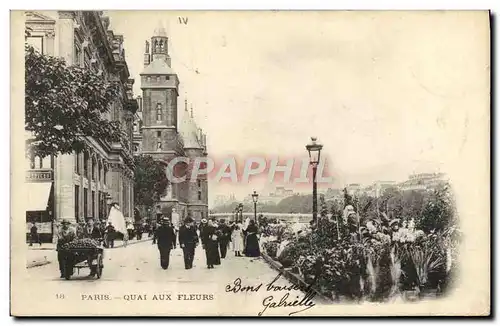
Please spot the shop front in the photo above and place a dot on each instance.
(40, 203)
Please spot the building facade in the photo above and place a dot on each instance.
(164, 137)
(82, 182)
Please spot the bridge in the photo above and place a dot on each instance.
(286, 217)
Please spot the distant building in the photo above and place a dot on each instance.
(354, 189)
(275, 197)
(164, 137)
(378, 187)
(423, 181)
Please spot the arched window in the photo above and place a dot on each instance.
(94, 168)
(86, 164)
(77, 163)
(99, 170)
(159, 114)
(105, 175)
(38, 162)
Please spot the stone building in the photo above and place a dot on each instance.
(81, 183)
(162, 135)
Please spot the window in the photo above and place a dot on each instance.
(93, 169)
(85, 202)
(99, 170)
(93, 203)
(158, 134)
(77, 60)
(136, 127)
(32, 162)
(77, 163)
(199, 195)
(199, 183)
(86, 164)
(77, 202)
(36, 42)
(159, 116)
(158, 146)
(105, 176)
(38, 162)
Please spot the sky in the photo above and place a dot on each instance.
(383, 92)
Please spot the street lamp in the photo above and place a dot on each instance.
(314, 149)
(240, 209)
(255, 197)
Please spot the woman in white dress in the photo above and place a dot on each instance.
(237, 240)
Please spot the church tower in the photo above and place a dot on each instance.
(160, 86)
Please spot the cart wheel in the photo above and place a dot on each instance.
(99, 266)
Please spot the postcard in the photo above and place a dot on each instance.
(250, 163)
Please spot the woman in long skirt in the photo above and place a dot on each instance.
(252, 244)
(237, 240)
(210, 244)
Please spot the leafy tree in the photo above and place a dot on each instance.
(438, 211)
(64, 104)
(323, 208)
(150, 180)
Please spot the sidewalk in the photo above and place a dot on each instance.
(37, 255)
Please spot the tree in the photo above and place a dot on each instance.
(64, 104)
(438, 211)
(150, 180)
(323, 207)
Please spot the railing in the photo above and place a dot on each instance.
(279, 216)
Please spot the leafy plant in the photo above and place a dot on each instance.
(425, 261)
(65, 104)
(150, 180)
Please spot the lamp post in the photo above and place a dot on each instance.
(240, 209)
(314, 149)
(255, 197)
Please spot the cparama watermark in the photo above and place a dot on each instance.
(229, 169)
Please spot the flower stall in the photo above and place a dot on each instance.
(365, 259)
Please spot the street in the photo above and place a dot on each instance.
(133, 275)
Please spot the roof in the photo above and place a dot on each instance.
(189, 132)
(158, 67)
(160, 30)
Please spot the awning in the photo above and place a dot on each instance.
(37, 195)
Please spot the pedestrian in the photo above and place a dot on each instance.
(110, 235)
(92, 231)
(65, 234)
(225, 237)
(188, 240)
(165, 237)
(34, 236)
(176, 234)
(237, 239)
(209, 242)
(252, 242)
(80, 229)
(154, 227)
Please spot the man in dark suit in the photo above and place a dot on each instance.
(188, 240)
(225, 237)
(165, 238)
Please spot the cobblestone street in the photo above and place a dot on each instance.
(132, 276)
